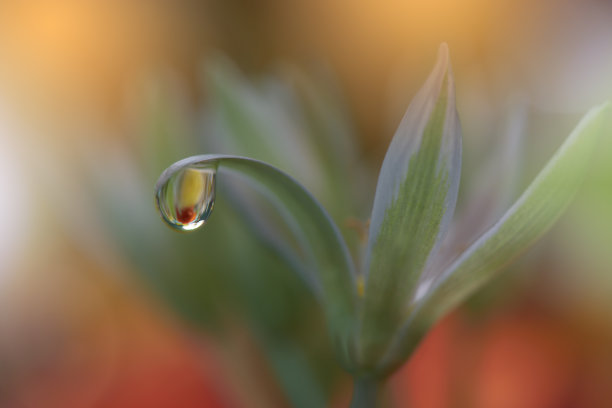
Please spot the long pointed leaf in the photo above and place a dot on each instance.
(414, 203)
(530, 217)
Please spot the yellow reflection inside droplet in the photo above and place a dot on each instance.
(191, 188)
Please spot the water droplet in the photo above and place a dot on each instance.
(187, 198)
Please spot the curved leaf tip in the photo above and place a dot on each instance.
(325, 253)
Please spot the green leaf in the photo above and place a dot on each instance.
(324, 248)
(262, 121)
(491, 192)
(414, 203)
(300, 132)
(528, 218)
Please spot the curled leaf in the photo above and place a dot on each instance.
(324, 249)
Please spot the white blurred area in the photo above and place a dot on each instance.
(57, 331)
(563, 55)
(17, 208)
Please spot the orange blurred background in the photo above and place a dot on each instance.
(78, 328)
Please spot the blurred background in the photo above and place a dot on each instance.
(101, 305)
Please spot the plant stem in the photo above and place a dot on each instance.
(365, 393)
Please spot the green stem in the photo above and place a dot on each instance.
(366, 393)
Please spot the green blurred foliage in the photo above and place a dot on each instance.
(232, 269)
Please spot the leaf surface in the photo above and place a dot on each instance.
(324, 249)
(529, 218)
(414, 203)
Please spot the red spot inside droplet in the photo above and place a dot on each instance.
(185, 215)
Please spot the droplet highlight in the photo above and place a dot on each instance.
(187, 198)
